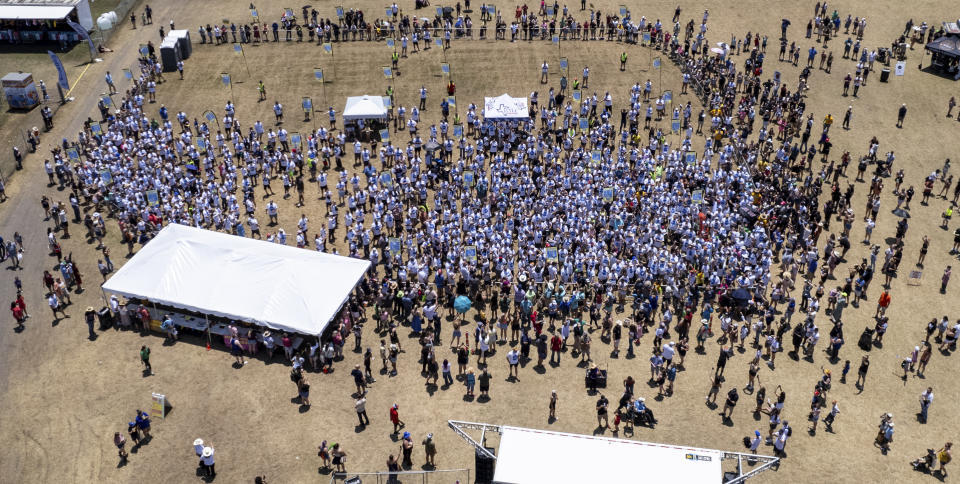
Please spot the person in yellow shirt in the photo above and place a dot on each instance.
(827, 122)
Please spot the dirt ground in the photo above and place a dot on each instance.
(63, 396)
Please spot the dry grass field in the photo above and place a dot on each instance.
(63, 396)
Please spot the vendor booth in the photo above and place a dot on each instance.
(504, 108)
(946, 54)
(364, 117)
(31, 21)
(211, 280)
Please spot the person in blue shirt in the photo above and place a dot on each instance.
(143, 423)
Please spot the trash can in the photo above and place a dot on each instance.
(884, 75)
(105, 317)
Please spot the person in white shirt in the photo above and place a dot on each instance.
(513, 358)
(208, 462)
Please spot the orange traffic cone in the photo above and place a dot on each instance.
(208, 346)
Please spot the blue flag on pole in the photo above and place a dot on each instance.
(62, 80)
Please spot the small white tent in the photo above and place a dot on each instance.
(505, 107)
(277, 286)
(364, 107)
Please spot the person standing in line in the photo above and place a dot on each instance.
(945, 279)
(513, 359)
(360, 405)
(145, 358)
(339, 458)
(90, 317)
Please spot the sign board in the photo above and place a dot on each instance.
(72, 154)
(386, 179)
(153, 198)
(470, 253)
(106, 176)
(901, 68)
(384, 135)
(607, 194)
(914, 278)
(697, 196)
(96, 129)
(690, 157)
(468, 178)
(551, 254)
(394, 247)
(158, 405)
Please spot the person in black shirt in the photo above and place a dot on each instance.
(732, 398)
(602, 420)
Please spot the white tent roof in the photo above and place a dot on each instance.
(529, 456)
(364, 107)
(505, 107)
(277, 286)
(34, 12)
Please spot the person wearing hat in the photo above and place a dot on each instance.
(208, 461)
(358, 379)
(269, 344)
(755, 443)
(395, 418)
(430, 449)
(198, 447)
(406, 447)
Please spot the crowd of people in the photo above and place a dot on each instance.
(550, 227)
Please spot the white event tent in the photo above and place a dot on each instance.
(277, 286)
(364, 107)
(529, 456)
(504, 107)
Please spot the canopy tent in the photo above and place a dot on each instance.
(948, 45)
(272, 285)
(505, 107)
(46, 10)
(364, 107)
(526, 456)
(34, 12)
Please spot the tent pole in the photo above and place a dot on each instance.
(206, 317)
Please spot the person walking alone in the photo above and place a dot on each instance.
(145, 359)
(901, 113)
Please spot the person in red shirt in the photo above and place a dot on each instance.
(556, 343)
(395, 418)
(22, 305)
(17, 315)
(882, 304)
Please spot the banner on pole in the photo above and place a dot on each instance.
(153, 199)
(551, 254)
(328, 48)
(82, 32)
(127, 73)
(307, 104)
(470, 253)
(457, 131)
(445, 69)
(61, 73)
(384, 135)
(210, 116)
(96, 129)
(237, 49)
(225, 78)
(656, 62)
(296, 139)
(387, 72)
(395, 247)
(318, 74)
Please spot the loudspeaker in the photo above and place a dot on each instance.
(485, 467)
